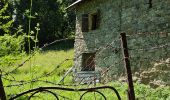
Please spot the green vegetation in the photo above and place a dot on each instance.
(55, 22)
(11, 44)
(50, 61)
(46, 21)
(11, 49)
(5, 18)
(49, 65)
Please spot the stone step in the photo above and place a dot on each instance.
(87, 76)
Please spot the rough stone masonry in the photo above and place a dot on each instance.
(146, 22)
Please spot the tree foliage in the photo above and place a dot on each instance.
(11, 43)
(55, 22)
(5, 18)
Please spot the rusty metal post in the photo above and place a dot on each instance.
(131, 93)
(2, 91)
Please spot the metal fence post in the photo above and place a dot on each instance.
(131, 93)
(2, 91)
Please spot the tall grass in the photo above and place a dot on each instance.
(46, 61)
(42, 63)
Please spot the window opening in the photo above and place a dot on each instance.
(90, 21)
(94, 21)
(150, 3)
(88, 62)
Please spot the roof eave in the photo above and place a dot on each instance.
(74, 4)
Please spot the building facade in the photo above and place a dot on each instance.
(100, 22)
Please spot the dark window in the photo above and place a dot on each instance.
(94, 22)
(90, 21)
(85, 23)
(150, 3)
(88, 62)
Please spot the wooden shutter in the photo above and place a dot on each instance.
(85, 23)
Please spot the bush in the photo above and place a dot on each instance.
(11, 49)
(11, 45)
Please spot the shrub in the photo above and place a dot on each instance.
(11, 45)
(11, 49)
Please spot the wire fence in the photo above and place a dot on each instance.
(148, 55)
(15, 83)
(147, 52)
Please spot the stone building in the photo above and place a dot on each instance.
(99, 23)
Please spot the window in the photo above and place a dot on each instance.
(150, 3)
(88, 62)
(90, 21)
(94, 21)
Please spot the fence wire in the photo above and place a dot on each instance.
(149, 59)
(143, 57)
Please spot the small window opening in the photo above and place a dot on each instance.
(94, 22)
(90, 21)
(88, 62)
(150, 3)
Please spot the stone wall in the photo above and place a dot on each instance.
(145, 25)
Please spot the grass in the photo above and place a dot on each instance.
(46, 66)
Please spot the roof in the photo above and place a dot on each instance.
(75, 3)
